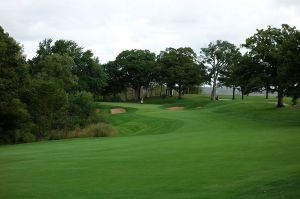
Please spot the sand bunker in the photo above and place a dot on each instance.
(175, 108)
(117, 110)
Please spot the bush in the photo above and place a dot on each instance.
(47, 103)
(93, 130)
(14, 120)
(81, 107)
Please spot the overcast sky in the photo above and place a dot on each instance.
(109, 26)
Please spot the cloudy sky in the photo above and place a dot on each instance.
(109, 26)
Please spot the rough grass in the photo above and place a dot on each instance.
(92, 130)
(227, 149)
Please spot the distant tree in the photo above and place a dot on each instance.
(227, 76)
(90, 73)
(168, 61)
(277, 49)
(115, 79)
(180, 66)
(137, 66)
(219, 57)
(59, 68)
(248, 75)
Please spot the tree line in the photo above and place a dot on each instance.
(57, 88)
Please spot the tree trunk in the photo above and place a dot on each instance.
(179, 90)
(160, 94)
(214, 91)
(280, 99)
(132, 93)
(137, 91)
(126, 97)
(151, 91)
(267, 93)
(233, 93)
(171, 92)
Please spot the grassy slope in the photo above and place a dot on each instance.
(222, 150)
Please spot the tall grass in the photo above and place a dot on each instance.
(93, 130)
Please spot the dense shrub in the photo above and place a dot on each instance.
(47, 103)
(15, 122)
(81, 108)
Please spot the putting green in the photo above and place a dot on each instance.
(226, 149)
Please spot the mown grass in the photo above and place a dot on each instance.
(226, 149)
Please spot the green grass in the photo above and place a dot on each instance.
(227, 149)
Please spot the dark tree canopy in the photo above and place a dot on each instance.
(90, 73)
(14, 81)
(180, 66)
(137, 68)
(277, 50)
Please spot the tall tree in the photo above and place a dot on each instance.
(137, 66)
(273, 47)
(248, 75)
(14, 82)
(227, 77)
(219, 56)
(90, 73)
(180, 66)
(168, 61)
(115, 79)
(58, 68)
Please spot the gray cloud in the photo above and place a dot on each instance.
(108, 27)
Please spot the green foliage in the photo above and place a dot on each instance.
(47, 103)
(15, 122)
(81, 108)
(54, 97)
(90, 74)
(220, 58)
(58, 68)
(115, 79)
(14, 81)
(278, 51)
(248, 75)
(136, 68)
(180, 66)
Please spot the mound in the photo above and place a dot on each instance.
(175, 108)
(117, 110)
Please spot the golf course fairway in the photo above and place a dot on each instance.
(225, 149)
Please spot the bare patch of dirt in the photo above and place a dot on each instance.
(117, 110)
(97, 110)
(175, 108)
